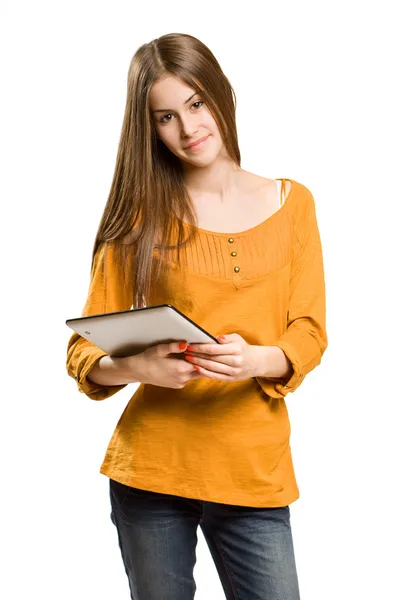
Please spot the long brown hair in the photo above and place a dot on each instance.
(148, 197)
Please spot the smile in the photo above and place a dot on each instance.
(199, 144)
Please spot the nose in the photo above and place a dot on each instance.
(188, 130)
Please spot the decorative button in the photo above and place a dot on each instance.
(233, 253)
(231, 240)
(236, 269)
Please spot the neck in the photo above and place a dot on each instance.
(217, 180)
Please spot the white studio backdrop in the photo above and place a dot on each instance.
(317, 102)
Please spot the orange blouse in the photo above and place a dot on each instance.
(213, 440)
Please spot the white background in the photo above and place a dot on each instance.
(318, 103)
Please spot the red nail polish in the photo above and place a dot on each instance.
(182, 345)
(189, 357)
(190, 348)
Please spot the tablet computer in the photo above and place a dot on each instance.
(130, 332)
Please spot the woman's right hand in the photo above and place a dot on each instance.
(156, 367)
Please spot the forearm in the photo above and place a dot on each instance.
(112, 371)
(272, 362)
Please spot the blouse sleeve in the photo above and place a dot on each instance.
(305, 339)
(108, 292)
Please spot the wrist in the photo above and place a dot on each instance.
(272, 362)
(129, 368)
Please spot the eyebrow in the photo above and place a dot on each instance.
(170, 109)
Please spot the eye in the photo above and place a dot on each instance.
(199, 102)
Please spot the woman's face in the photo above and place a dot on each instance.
(180, 118)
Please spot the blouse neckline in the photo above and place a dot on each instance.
(246, 231)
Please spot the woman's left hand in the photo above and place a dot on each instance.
(233, 359)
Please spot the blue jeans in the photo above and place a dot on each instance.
(252, 548)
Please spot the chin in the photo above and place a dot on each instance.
(201, 161)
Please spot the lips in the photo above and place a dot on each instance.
(196, 142)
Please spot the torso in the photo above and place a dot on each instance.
(256, 201)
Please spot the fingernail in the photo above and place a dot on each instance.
(182, 345)
(190, 348)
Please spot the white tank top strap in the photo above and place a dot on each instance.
(280, 187)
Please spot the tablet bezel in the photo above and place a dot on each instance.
(109, 314)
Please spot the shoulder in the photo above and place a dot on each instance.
(302, 209)
(299, 196)
(258, 182)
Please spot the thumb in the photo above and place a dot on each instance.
(164, 349)
(178, 346)
(224, 339)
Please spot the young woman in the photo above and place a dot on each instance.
(205, 439)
